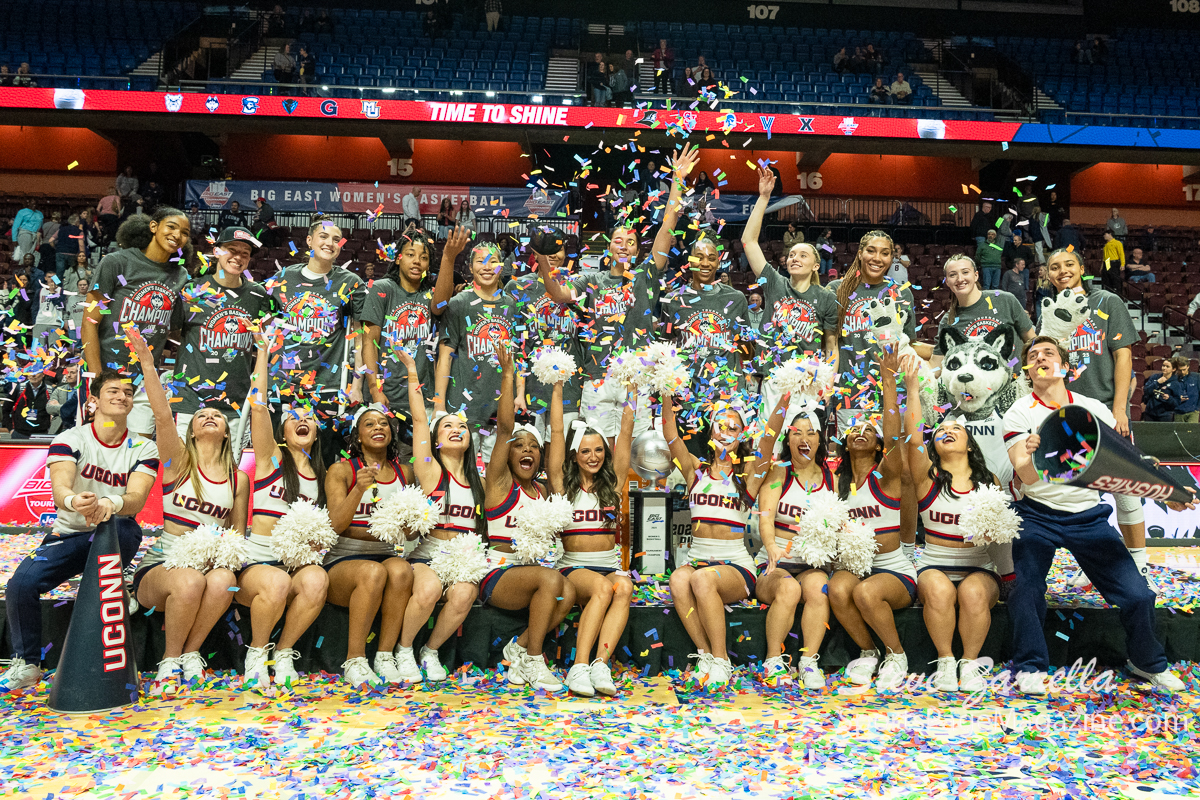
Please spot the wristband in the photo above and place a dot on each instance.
(117, 500)
(69, 502)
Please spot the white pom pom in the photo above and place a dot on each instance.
(988, 517)
(538, 524)
(231, 551)
(301, 535)
(194, 549)
(856, 547)
(820, 527)
(666, 373)
(553, 364)
(460, 560)
(402, 513)
(805, 378)
(626, 367)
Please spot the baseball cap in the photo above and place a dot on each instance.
(236, 233)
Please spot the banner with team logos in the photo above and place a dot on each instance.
(371, 198)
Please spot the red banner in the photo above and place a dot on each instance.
(682, 120)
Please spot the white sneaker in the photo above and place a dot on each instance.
(1167, 681)
(776, 671)
(432, 665)
(256, 674)
(1080, 579)
(1033, 683)
(704, 662)
(945, 678)
(514, 654)
(538, 675)
(579, 681)
(811, 675)
(602, 681)
(285, 668)
(166, 682)
(385, 667)
(19, 675)
(193, 665)
(357, 672)
(892, 671)
(406, 666)
(862, 669)
(719, 672)
(970, 676)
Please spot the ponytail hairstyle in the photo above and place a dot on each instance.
(853, 278)
(943, 480)
(354, 442)
(414, 237)
(822, 452)
(743, 460)
(135, 232)
(291, 475)
(190, 463)
(318, 220)
(952, 309)
(845, 471)
(491, 249)
(604, 484)
(816, 273)
(1073, 253)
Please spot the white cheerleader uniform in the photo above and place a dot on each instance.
(502, 524)
(348, 548)
(941, 515)
(457, 517)
(269, 502)
(792, 502)
(588, 519)
(717, 501)
(873, 506)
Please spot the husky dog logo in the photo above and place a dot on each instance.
(408, 326)
(313, 317)
(174, 101)
(370, 109)
(150, 304)
(289, 105)
(226, 329)
(485, 335)
(249, 105)
(212, 103)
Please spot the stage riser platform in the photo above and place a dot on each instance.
(1097, 634)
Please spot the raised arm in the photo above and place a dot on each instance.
(768, 502)
(918, 454)
(370, 354)
(686, 462)
(681, 164)
(441, 378)
(563, 295)
(262, 432)
(498, 476)
(622, 450)
(91, 333)
(750, 234)
(443, 288)
(556, 453)
(427, 471)
(170, 446)
(766, 447)
(890, 466)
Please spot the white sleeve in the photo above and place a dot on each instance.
(1017, 423)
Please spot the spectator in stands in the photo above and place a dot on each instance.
(879, 94)
(492, 9)
(701, 65)
(981, 223)
(704, 183)
(275, 22)
(411, 206)
(369, 273)
(1014, 280)
(1039, 234)
(1150, 240)
(284, 66)
(990, 257)
(825, 250)
(1099, 51)
(7, 299)
(306, 66)
(77, 304)
(686, 86)
(108, 212)
(431, 25)
(196, 219)
(1068, 236)
(618, 84)
(22, 78)
(597, 81)
(127, 184)
(630, 67)
(465, 216)
(1116, 226)
(25, 406)
(1138, 269)
(152, 196)
(46, 250)
(445, 219)
(68, 246)
(792, 236)
(898, 272)
(78, 271)
(264, 223)
(1083, 55)
(232, 217)
(1113, 275)
(1057, 212)
(63, 404)
(704, 79)
(873, 58)
(26, 228)
(1194, 306)
(1188, 393)
(901, 90)
(858, 61)
(6, 77)
(49, 316)
(754, 316)
(840, 61)
(94, 236)
(1160, 395)
(1018, 248)
(308, 23)
(664, 63)
(324, 22)
(1005, 228)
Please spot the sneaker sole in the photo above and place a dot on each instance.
(607, 692)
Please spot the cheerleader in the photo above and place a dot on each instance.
(591, 560)
(974, 311)
(511, 481)
(365, 573)
(282, 475)
(784, 580)
(1102, 369)
(869, 480)
(201, 486)
(947, 468)
(722, 492)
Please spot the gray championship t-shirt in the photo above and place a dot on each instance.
(138, 290)
(1106, 329)
(618, 311)
(991, 310)
(472, 326)
(216, 355)
(316, 312)
(708, 325)
(859, 378)
(406, 322)
(546, 323)
(793, 322)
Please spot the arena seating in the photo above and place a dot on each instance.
(1146, 72)
(89, 38)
